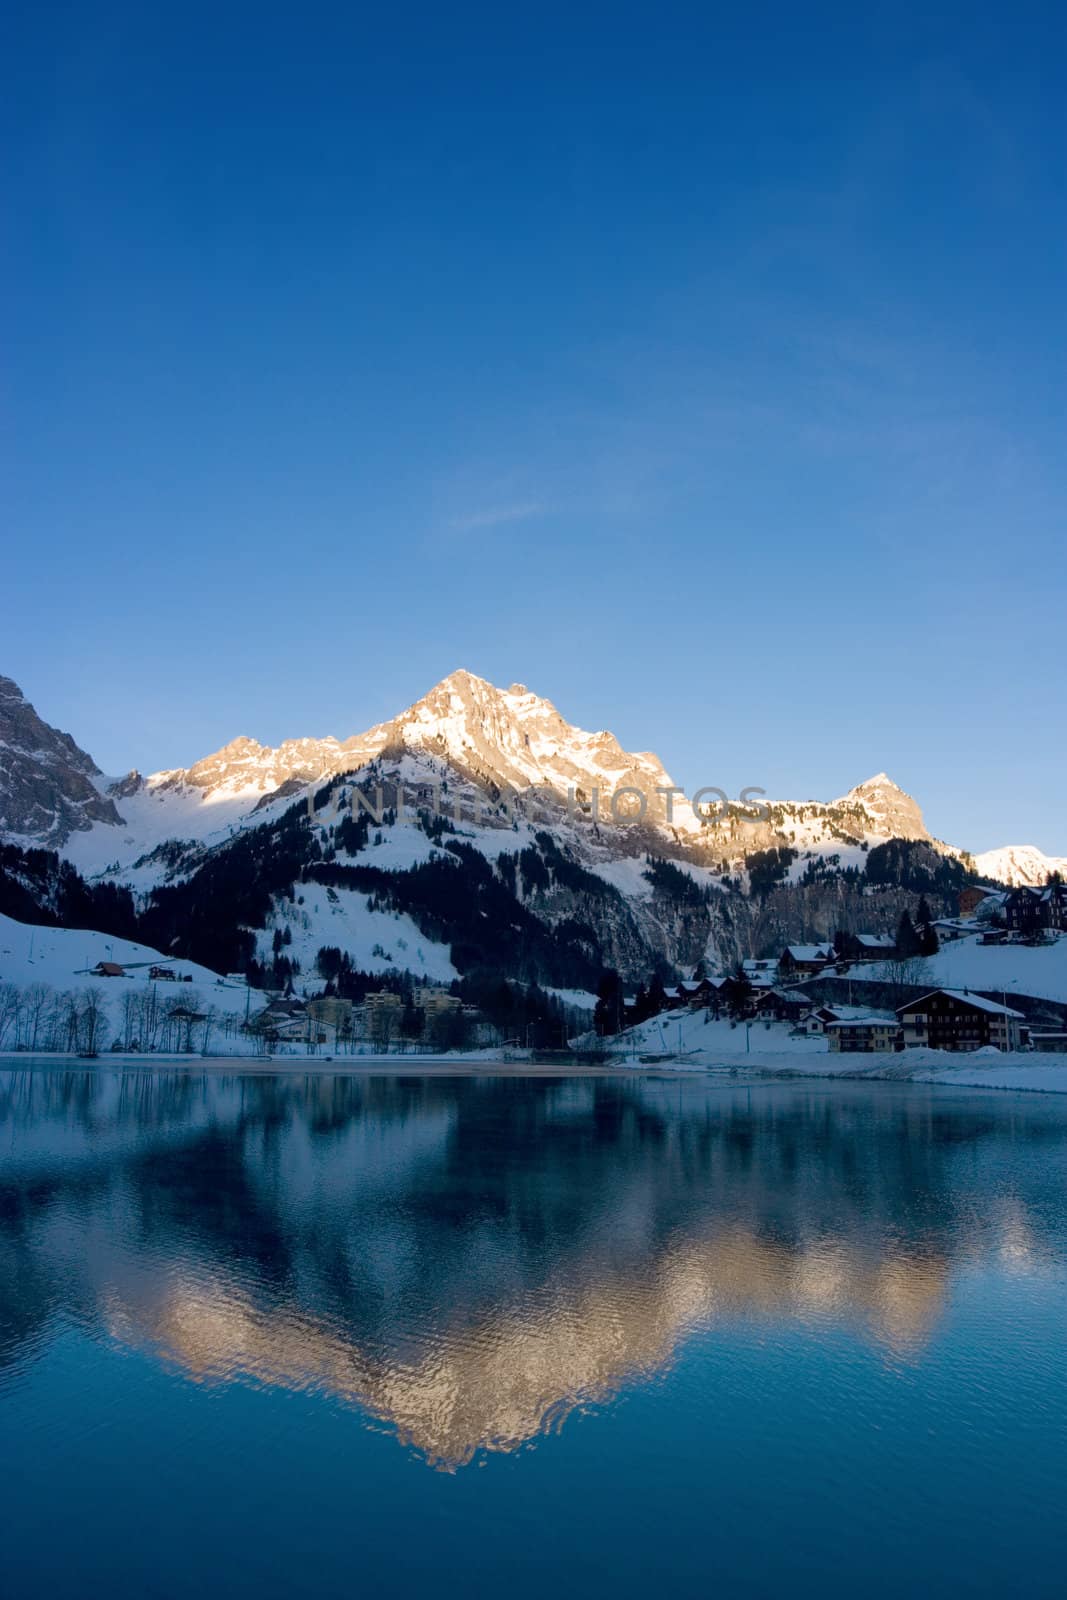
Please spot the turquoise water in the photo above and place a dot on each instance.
(493, 1336)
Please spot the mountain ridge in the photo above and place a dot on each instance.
(500, 740)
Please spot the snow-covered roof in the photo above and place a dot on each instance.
(975, 1000)
(809, 952)
(876, 941)
(843, 1013)
(877, 1019)
(1041, 894)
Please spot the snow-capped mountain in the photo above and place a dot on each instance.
(494, 741)
(260, 860)
(503, 740)
(1019, 864)
(466, 733)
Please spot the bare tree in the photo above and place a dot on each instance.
(36, 1000)
(92, 1021)
(906, 972)
(70, 1022)
(10, 1011)
(381, 1029)
(212, 1018)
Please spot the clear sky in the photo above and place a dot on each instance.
(702, 368)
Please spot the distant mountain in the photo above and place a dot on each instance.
(48, 785)
(1019, 864)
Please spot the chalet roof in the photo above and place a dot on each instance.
(876, 941)
(843, 1013)
(1037, 892)
(878, 1019)
(809, 952)
(976, 1001)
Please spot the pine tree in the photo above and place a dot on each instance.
(657, 996)
(907, 938)
(607, 1017)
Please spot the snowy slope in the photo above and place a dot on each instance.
(61, 959)
(1019, 864)
(376, 941)
(693, 1036)
(156, 813)
(1040, 970)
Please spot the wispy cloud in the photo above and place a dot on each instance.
(498, 516)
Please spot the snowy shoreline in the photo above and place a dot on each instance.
(1043, 1074)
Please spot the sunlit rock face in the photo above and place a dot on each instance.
(506, 772)
(465, 730)
(511, 741)
(893, 814)
(501, 739)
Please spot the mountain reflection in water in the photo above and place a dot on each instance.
(467, 1260)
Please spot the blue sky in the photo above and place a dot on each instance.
(702, 369)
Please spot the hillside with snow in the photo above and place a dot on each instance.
(53, 968)
(1020, 864)
(1039, 971)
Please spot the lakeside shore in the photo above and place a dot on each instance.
(1042, 1073)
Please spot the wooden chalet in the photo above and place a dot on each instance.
(1028, 910)
(954, 1019)
(804, 960)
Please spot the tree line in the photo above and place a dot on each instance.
(37, 1018)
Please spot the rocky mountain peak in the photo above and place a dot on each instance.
(512, 738)
(895, 814)
(498, 739)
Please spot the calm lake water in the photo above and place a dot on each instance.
(492, 1336)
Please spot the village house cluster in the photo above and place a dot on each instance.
(382, 1018)
(766, 989)
(943, 1019)
(772, 988)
